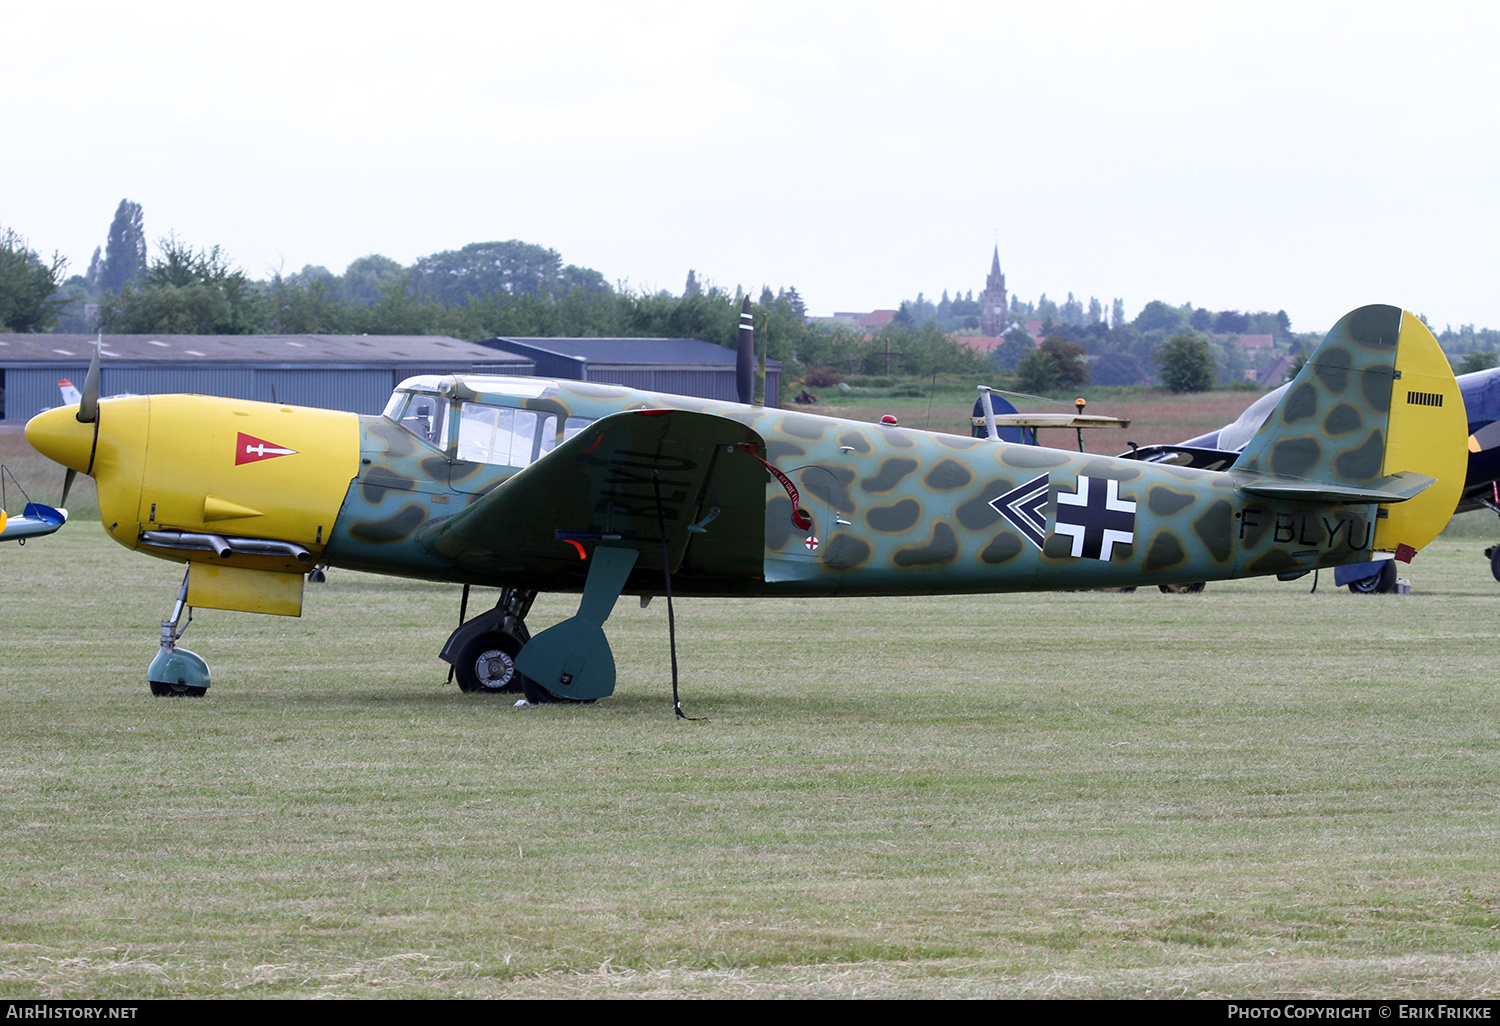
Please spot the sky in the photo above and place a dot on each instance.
(1305, 156)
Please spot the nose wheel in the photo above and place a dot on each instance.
(176, 672)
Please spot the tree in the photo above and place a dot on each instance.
(1231, 322)
(515, 267)
(1071, 361)
(1187, 364)
(1158, 316)
(27, 285)
(1477, 360)
(1119, 369)
(1055, 365)
(307, 303)
(184, 292)
(125, 251)
(1017, 345)
(366, 278)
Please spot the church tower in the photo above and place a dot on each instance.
(995, 316)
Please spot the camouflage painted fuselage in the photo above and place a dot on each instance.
(893, 511)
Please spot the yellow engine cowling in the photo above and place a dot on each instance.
(246, 492)
(228, 468)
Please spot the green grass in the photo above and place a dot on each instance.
(1253, 792)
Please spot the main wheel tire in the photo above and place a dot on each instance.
(538, 695)
(176, 690)
(1380, 583)
(1494, 554)
(488, 663)
(1191, 588)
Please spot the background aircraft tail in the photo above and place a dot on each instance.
(1374, 416)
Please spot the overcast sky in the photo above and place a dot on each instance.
(1303, 156)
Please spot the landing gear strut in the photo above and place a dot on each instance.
(483, 651)
(176, 672)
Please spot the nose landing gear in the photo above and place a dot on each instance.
(176, 672)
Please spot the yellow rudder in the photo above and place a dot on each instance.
(1427, 433)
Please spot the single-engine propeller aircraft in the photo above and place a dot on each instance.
(532, 485)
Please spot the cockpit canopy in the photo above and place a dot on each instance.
(483, 418)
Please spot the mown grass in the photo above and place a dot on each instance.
(1258, 791)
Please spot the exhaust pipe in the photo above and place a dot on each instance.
(225, 547)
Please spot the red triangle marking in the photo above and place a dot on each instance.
(249, 449)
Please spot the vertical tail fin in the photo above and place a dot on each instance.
(1374, 416)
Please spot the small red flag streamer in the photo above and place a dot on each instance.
(799, 515)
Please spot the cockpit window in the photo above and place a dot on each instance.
(498, 435)
(571, 427)
(501, 434)
(425, 416)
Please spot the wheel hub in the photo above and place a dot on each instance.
(494, 668)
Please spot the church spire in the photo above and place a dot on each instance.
(995, 313)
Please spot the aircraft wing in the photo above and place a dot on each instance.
(1058, 420)
(601, 487)
(35, 520)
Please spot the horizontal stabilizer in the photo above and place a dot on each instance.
(1396, 488)
(1058, 420)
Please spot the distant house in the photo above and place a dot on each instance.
(1274, 375)
(336, 372)
(876, 319)
(680, 366)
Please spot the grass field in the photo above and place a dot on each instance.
(1256, 791)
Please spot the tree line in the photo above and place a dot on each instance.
(514, 288)
(480, 291)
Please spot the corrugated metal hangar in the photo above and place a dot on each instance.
(336, 372)
(681, 366)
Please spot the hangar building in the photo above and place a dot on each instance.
(680, 366)
(336, 372)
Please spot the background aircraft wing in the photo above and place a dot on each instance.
(35, 520)
(601, 487)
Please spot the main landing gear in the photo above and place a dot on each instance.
(568, 662)
(176, 672)
(483, 651)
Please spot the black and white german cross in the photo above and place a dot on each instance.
(1096, 518)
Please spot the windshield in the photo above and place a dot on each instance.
(425, 416)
